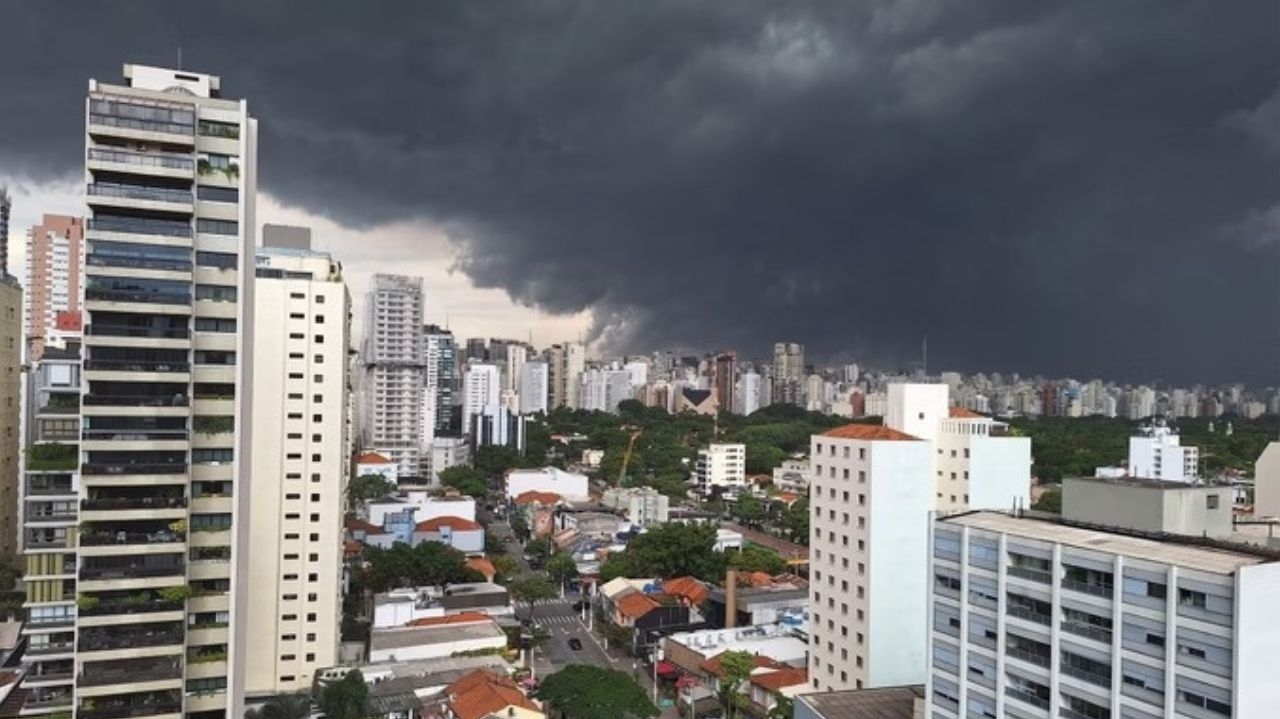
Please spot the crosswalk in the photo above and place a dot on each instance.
(551, 602)
(560, 620)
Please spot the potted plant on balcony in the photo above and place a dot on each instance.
(178, 527)
(179, 593)
(86, 602)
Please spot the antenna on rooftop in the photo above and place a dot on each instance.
(179, 56)
(924, 355)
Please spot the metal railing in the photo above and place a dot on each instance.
(134, 503)
(139, 192)
(128, 711)
(144, 263)
(1097, 590)
(1029, 698)
(102, 609)
(102, 539)
(133, 467)
(135, 435)
(166, 298)
(168, 333)
(140, 227)
(1102, 680)
(1042, 660)
(1087, 630)
(142, 159)
(1035, 575)
(135, 400)
(128, 365)
(131, 572)
(1029, 615)
(129, 123)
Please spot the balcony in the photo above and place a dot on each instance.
(109, 503)
(164, 333)
(1029, 614)
(135, 572)
(52, 457)
(50, 649)
(136, 400)
(131, 671)
(127, 711)
(101, 639)
(135, 435)
(161, 298)
(1095, 589)
(132, 365)
(134, 468)
(141, 193)
(1036, 658)
(1028, 697)
(1035, 575)
(167, 161)
(138, 226)
(1090, 631)
(102, 539)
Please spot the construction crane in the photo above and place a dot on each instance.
(626, 457)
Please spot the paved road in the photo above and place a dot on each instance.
(557, 618)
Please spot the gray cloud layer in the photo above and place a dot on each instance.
(1082, 188)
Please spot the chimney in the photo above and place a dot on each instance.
(731, 599)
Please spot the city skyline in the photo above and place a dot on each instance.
(1077, 248)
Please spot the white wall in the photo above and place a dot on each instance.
(1257, 635)
(569, 485)
(1266, 500)
(900, 498)
(999, 472)
(435, 651)
(916, 409)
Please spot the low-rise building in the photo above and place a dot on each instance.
(793, 475)
(399, 607)
(643, 506)
(463, 535)
(569, 485)
(779, 642)
(436, 637)
(721, 465)
(905, 702)
(758, 600)
(374, 463)
(1149, 505)
(483, 694)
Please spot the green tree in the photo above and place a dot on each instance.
(493, 460)
(1050, 501)
(367, 487)
(505, 568)
(735, 667)
(288, 706)
(429, 563)
(582, 691)
(528, 590)
(783, 707)
(346, 698)
(520, 525)
(539, 551)
(795, 521)
(466, 480)
(493, 545)
(666, 551)
(748, 509)
(561, 569)
(757, 558)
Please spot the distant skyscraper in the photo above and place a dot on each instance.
(725, 375)
(533, 387)
(788, 373)
(300, 436)
(514, 357)
(476, 350)
(441, 379)
(567, 362)
(748, 393)
(55, 274)
(481, 387)
(10, 406)
(395, 371)
(6, 204)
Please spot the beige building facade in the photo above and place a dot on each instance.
(55, 274)
(10, 410)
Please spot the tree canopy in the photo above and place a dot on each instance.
(346, 698)
(466, 480)
(367, 487)
(735, 668)
(287, 706)
(668, 550)
(757, 558)
(561, 568)
(528, 590)
(583, 691)
(429, 563)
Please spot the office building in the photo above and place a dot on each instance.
(481, 387)
(441, 381)
(515, 355)
(476, 350)
(55, 273)
(721, 465)
(1154, 506)
(10, 409)
(639, 371)
(302, 332)
(871, 495)
(533, 388)
(166, 414)
(497, 425)
(1034, 615)
(725, 380)
(395, 371)
(51, 516)
(788, 373)
(1157, 453)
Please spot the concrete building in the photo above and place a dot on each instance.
(1266, 482)
(721, 465)
(788, 373)
(302, 333)
(497, 425)
(570, 486)
(871, 495)
(977, 463)
(917, 409)
(566, 363)
(481, 388)
(394, 383)
(51, 515)
(6, 205)
(533, 388)
(436, 638)
(400, 607)
(513, 370)
(1157, 453)
(792, 476)
(1149, 505)
(448, 452)
(10, 410)
(887, 703)
(748, 393)
(642, 506)
(462, 534)
(171, 167)
(55, 274)
(440, 354)
(374, 463)
(724, 378)
(1034, 615)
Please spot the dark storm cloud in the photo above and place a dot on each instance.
(1073, 188)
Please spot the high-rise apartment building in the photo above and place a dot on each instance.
(721, 465)
(165, 417)
(10, 409)
(725, 377)
(566, 363)
(533, 388)
(748, 393)
(395, 371)
(51, 516)
(301, 336)
(1032, 617)
(514, 357)
(441, 380)
(6, 205)
(481, 388)
(788, 373)
(55, 273)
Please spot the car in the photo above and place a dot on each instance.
(575, 644)
(580, 605)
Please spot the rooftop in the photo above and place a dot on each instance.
(1144, 483)
(962, 413)
(883, 703)
(372, 458)
(533, 496)
(870, 432)
(1191, 552)
(457, 524)
(400, 637)
(481, 693)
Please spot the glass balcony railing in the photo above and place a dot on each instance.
(130, 606)
(102, 503)
(139, 572)
(135, 435)
(139, 670)
(142, 159)
(116, 638)
(128, 711)
(141, 263)
(109, 295)
(167, 333)
(135, 400)
(100, 539)
(139, 192)
(129, 365)
(162, 228)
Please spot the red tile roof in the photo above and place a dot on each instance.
(544, 498)
(459, 618)
(372, 458)
(712, 665)
(483, 566)
(359, 525)
(457, 524)
(636, 605)
(787, 498)
(777, 680)
(481, 693)
(962, 413)
(688, 588)
(873, 432)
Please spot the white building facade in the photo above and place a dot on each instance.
(394, 371)
(721, 465)
(481, 388)
(1158, 453)
(533, 388)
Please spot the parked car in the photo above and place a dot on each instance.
(575, 644)
(578, 606)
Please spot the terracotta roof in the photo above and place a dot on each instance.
(535, 496)
(756, 579)
(352, 547)
(869, 432)
(481, 693)
(459, 618)
(635, 605)
(712, 665)
(962, 413)
(482, 565)
(372, 458)
(686, 588)
(457, 524)
(787, 497)
(777, 680)
(359, 525)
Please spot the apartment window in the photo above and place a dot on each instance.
(319, 319)
(216, 293)
(219, 260)
(297, 336)
(318, 359)
(290, 556)
(862, 477)
(213, 324)
(217, 227)
(297, 296)
(319, 339)
(862, 453)
(1211, 501)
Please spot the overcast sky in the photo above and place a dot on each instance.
(1087, 189)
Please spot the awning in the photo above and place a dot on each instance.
(667, 669)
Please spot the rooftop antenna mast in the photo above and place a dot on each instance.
(924, 356)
